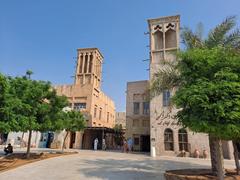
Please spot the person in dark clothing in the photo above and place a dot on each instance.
(8, 149)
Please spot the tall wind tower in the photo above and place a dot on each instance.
(89, 67)
(164, 43)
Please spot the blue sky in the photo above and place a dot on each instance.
(43, 35)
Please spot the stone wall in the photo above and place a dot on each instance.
(137, 125)
(120, 118)
(164, 43)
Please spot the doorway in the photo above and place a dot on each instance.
(3, 138)
(46, 139)
(238, 148)
(50, 139)
(43, 140)
(145, 143)
(72, 140)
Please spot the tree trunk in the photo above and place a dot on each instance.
(220, 160)
(235, 153)
(21, 142)
(29, 143)
(213, 155)
(216, 157)
(64, 141)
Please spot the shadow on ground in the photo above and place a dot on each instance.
(132, 169)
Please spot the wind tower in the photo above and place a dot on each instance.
(89, 67)
(164, 43)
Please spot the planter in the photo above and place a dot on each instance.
(196, 153)
(200, 174)
(205, 154)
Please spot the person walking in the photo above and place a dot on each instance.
(125, 146)
(95, 144)
(130, 143)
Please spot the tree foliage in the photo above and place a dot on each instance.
(73, 121)
(118, 134)
(34, 104)
(209, 97)
(223, 35)
(28, 105)
(5, 111)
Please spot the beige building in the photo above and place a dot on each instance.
(120, 119)
(86, 96)
(167, 136)
(137, 115)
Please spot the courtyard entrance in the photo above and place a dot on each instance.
(3, 138)
(46, 139)
(145, 143)
(91, 133)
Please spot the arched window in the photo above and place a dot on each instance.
(166, 98)
(158, 40)
(168, 139)
(183, 139)
(170, 39)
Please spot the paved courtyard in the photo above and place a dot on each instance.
(101, 165)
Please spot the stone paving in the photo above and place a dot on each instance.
(99, 165)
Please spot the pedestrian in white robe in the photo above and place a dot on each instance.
(95, 144)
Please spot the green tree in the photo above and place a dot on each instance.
(5, 108)
(29, 73)
(210, 98)
(34, 106)
(172, 76)
(72, 121)
(118, 134)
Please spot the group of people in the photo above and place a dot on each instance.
(95, 144)
(127, 145)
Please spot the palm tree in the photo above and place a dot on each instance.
(29, 73)
(223, 35)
